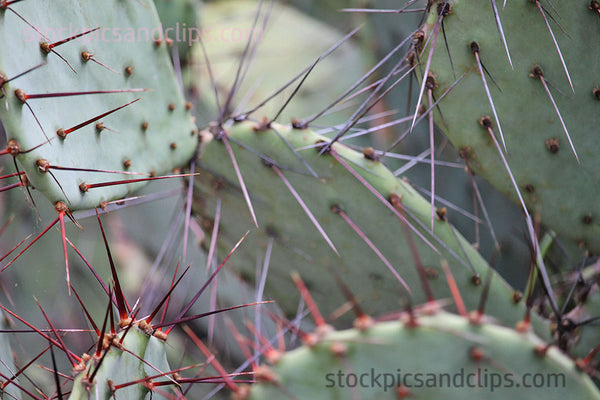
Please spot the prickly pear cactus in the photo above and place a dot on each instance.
(345, 221)
(542, 102)
(84, 113)
(430, 356)
(134, 357)
(71, 74)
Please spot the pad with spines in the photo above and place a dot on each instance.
(431, 357)
(151, 136)
(138, 357)
(298, 246)
(552, 182)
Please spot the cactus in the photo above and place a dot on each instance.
(132, 355)
(301, 202)
(75, 112)
(227, 26)
(322, 242)
(541, 98)
(71, 78)
(427, 356)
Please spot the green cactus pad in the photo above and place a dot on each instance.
(153, 135)
(298, 246)
(552, 182)
(433, 357)
(138, 357)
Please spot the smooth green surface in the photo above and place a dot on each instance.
(179, 19)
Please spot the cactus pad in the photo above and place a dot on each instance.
(132, 355)
(299, 246)
(49, 113)
(430, 357)
(555, 178)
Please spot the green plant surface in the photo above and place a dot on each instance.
(430, 357)
(335, 218)
(281, 34)
(179, 20)
(298, 245)
(556, 180)
(150, 136)
(138, 356)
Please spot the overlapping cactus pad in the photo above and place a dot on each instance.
(426, 357)
(65, 50)
(289, 33)
(336, 199)
(557, 180)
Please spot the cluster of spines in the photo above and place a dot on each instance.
(128, 357)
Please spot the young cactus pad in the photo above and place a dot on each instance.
(426, 357)
(294, 242)
(136, 359)
(71, 73)
(545, 104)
